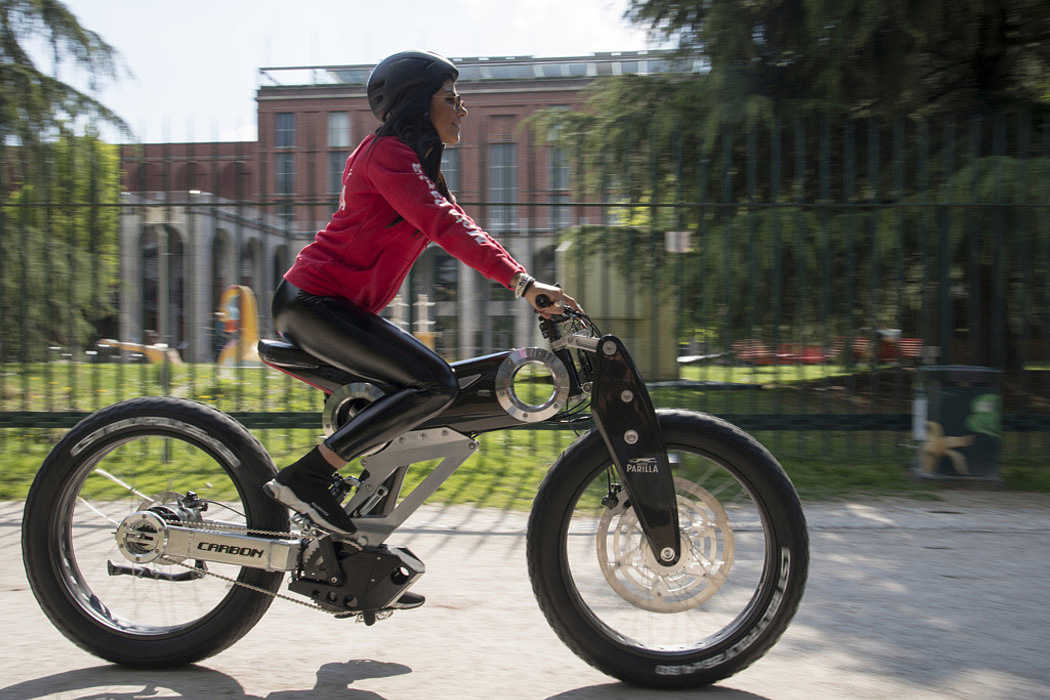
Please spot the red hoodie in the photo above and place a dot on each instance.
(360, 256)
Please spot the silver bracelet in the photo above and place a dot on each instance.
(522, 282)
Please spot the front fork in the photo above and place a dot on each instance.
(627, 421)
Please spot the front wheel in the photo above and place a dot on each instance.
(731, 595)
(183, 461)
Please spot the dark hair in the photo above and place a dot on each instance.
(409, 121)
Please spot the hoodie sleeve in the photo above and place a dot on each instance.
(396, 173)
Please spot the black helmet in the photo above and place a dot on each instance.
(403, 72)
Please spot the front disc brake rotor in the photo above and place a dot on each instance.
(628, 563)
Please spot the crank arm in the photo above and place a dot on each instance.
(626, 419)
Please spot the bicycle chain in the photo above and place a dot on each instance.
(257, 589)
(268, 533)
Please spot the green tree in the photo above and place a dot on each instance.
(869, 56)
(57, 233)
(58, 247)
(33, 104)
(828, 105)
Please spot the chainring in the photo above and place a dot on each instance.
(313, 564)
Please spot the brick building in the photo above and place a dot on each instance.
(255, 204)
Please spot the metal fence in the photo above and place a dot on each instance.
(792, 276)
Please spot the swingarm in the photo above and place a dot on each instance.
(340, 577)
(145, 536)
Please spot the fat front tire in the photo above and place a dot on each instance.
(738, 583)
(136, 455)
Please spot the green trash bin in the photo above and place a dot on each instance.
(957, 423)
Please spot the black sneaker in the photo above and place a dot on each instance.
(308, 491)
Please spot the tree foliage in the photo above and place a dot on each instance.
(59, 261)
(58, 230)
(807, 110)
(34, 104)
(887, 57)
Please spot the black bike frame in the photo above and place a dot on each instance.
(620, 404)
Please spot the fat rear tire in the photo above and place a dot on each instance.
(112, 463)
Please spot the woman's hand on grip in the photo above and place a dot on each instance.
(557, 299)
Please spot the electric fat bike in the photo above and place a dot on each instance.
(666, 548)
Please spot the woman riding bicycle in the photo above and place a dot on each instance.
(394, 202)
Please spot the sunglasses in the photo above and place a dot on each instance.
(457, 102)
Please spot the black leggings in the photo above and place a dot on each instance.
(336, 331)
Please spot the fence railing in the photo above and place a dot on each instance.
(794, 286)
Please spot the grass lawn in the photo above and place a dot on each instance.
(511, 464)
(822, 464)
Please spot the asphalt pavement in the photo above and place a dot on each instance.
(906, 599)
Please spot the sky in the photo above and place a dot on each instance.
(194, 64)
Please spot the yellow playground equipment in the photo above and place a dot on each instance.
(239, 315)
(154, 352)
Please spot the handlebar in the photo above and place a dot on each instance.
(580, 368)
(543, 301)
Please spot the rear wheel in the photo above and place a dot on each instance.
(182, 461)
(732, 593)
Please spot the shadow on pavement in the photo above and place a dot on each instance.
(112, 682)
(333, 680)
(618, 691)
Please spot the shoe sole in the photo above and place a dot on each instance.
(286, 497)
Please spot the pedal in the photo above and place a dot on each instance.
(343, 485)
(308, 528)
(369, 617)
(407, 601)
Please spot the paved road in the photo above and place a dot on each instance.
(905, 600)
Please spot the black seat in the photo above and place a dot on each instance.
(284, 354)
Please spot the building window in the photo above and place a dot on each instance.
(339, 130)
(559, 212)
(336, 163)
(559, 170)
(503, 186)
(286, 214)
(450, 168)
(338, 137)
(284, 169)
(284, 164)
(284, 183)
(285, 130)
(558, 180)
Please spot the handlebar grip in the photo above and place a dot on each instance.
(543, 301)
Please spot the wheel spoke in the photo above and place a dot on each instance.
(143, 605)
(122, 483)
(94, 509)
